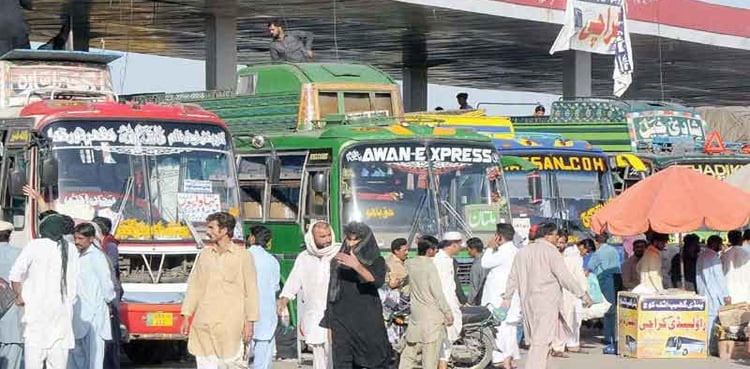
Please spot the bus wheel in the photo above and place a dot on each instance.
(684, 352)
(143, 352)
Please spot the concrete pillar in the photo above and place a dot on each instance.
(414, 56)
(576, 74)
(221, 52)
(415, 88)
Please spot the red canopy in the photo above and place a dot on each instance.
(675, 200)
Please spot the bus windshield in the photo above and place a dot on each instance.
(151, 179)
(570, 195)
(409, 188)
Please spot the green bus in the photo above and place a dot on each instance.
(660, 134)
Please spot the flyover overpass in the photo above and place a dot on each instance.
(689, 50)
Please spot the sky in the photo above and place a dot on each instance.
(736, 3)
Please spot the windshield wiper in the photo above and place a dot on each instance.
(128, 190)
(459, 219)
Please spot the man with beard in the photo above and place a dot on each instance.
(539, 275)
(630, 276)
(269, 273)
(222, 298)
(354, 313)
(289, 46)
(308, 280)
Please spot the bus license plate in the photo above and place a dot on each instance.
(159, 320)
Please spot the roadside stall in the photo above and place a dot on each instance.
(670, 323)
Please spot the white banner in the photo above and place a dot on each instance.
(599, 26)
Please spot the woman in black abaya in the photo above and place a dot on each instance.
(354, 313)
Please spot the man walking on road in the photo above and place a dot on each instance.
(606, 265)
(430, 313)
(96, 290)
(539, 275)
(222, 297)
(308, 280)
(11, 339)
(451, 245)
(45, 276)
(498, 260)
(268, 275)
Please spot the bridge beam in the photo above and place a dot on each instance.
(414, 71)
(221, 51)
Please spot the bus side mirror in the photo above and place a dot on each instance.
(17, 180)
(320, 182)
(534, 182)
(273, 169)
(50, 168)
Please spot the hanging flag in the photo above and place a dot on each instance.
(624, 64)
(599, 26)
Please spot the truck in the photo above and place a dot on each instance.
(156, 171)
(660, 134)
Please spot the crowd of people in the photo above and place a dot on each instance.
(68, 290)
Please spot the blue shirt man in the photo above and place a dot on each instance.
(95, 290)
(11, 337)
(605, 263)
(268, 274)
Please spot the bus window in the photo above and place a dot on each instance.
(285, 196)
(382, 101)
(251, 172)
(316, 204)
(356, 102)
(328, 103)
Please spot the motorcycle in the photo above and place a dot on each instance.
(472, 350)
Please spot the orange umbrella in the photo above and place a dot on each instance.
(675, 200)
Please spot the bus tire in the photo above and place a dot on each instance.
(684, 352)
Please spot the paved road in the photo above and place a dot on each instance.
(593, 359)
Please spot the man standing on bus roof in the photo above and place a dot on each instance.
(463, 103)
(222, 298)
(11, 339)
(269, 273)
(309, 280)
(91, 324)
(291, 46)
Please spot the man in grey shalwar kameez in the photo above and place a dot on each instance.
(11, 337)
(539, 275)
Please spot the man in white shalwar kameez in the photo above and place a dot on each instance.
(572, 306)
(96, 290)
(498, 260)
(539, 275)
(45, 277)
(736, 264)
(308, 281)
(444, 263)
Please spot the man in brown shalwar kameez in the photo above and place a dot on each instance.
(222, 297)
(539, 275)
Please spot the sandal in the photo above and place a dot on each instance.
(559, 354)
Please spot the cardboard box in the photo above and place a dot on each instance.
(662, 326)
